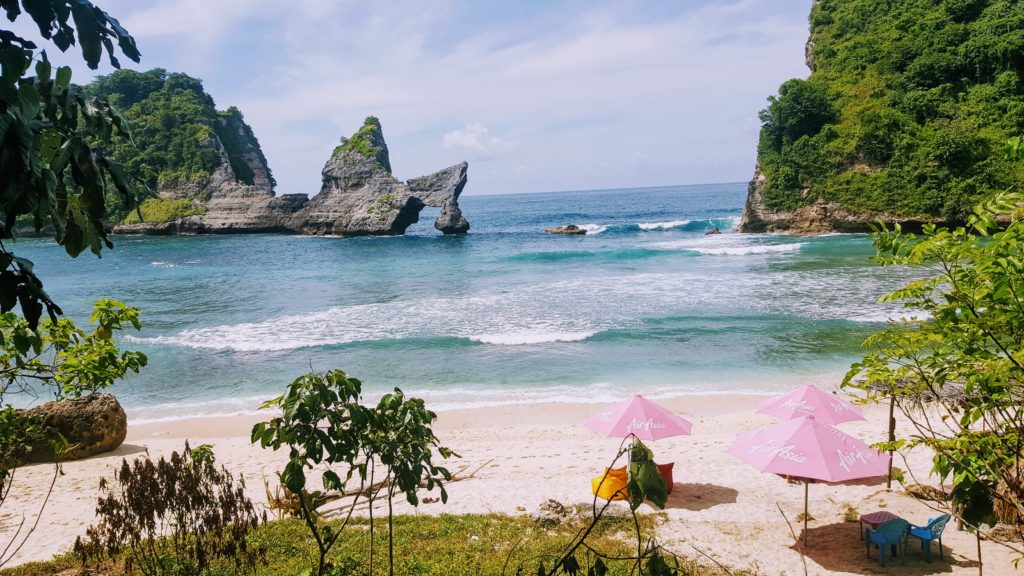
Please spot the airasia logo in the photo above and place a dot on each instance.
(783, 451)
(636, 425)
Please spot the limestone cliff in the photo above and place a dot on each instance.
(237, 197)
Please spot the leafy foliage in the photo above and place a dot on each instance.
(368, 141)
(644, 483)
(50, 172)
(905, 105)
(53, 173)
(323, 424)
(176, 516)
(963, 348)
(62, 359)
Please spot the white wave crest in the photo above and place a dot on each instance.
(528, 337)
(593, 228)
(663, 225)
(566, 310)
(744, 250)
(726, 245)
(159, 264)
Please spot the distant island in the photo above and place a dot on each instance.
(902, 119)
(211, 176)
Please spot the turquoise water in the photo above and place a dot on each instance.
(643, 303)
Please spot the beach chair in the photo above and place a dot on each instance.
(931, 531)
(892, 533)
(611, 485)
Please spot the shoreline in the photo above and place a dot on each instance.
(527, 454)
(710, 400)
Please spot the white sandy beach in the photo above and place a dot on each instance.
(719, 505)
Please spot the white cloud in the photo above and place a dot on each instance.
(576, 87)
(475, 140)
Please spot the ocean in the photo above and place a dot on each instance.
(643, 303)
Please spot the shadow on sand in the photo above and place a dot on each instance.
(837, 548)
(122, 450)
(700, 496)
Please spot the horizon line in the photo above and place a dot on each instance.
(659, 187)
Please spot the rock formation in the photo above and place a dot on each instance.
(819, 217)
(359, 195)
(91, 425)
(571, 230)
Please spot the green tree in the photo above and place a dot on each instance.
(324, 425)
(960, 352)
(399, 437)
(320, 424)
(801, 109)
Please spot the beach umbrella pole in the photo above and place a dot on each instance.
(892, 437)
(806, 484)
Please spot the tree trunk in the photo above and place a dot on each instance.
(977, 537)
(391, 534)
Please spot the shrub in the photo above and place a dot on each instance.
(177, 516)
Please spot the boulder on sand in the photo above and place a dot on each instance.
(91, 425)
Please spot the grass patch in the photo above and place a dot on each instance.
(446, 545)
(159, 210)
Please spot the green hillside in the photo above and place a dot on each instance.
(177, 129)
(906, 109)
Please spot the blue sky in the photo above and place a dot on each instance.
(536, 95)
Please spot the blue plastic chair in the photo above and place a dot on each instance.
(892, 533)
(933, 531)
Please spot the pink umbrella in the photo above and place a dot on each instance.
(640, 417)
(810, 450)
(811, 401)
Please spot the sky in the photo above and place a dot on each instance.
(536, 95)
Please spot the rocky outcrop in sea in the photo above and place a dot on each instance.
(359, 196)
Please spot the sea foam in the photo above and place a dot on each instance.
(531, 337)
(663, 225)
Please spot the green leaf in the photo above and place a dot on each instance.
(28, 101)
(294, 477)
(63, 80)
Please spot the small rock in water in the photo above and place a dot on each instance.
(714, 230)
(571, 229)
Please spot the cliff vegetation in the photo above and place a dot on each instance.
(180, 139)
(904, 113)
